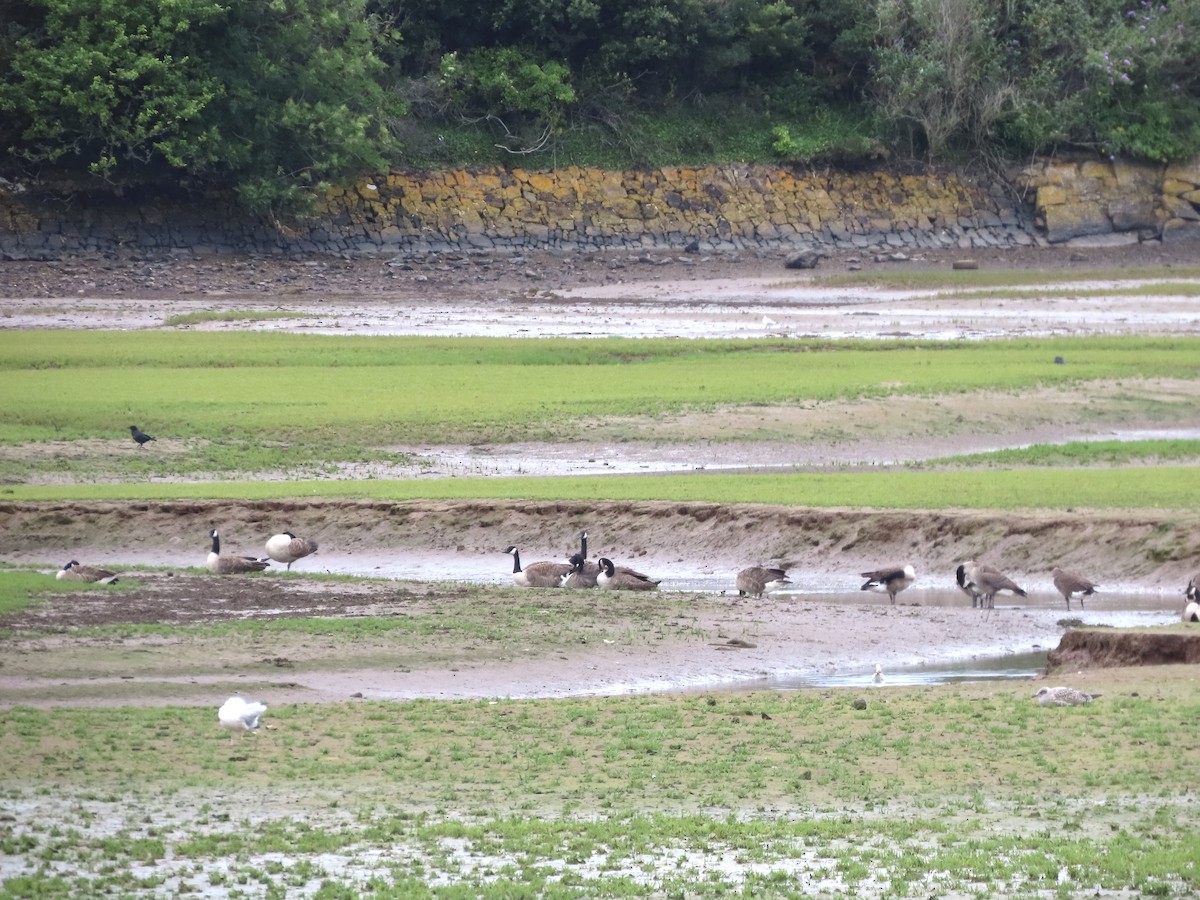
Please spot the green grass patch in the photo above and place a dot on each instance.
(234, 315)
(1152, 289)
(21, 589)
(774, 794)
(310, 394)
(1083, 453)
(1138, 487)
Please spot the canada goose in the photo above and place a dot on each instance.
(1063, 696)
(1069, 583)
(985, 582)
(231, 565)
(538, 574)
(73, 571)
(892, 580)
(759, 580)
(1191, 612)
(1193, 589)
(623, 579)
(285, 547)
(583, 574)
(965, 584)
(140, 436)
(237, 714)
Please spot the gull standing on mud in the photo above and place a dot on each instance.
(538, 574)
(1063, 696)
(285, 547)
(1069, 583)
(759, 580)
(892, 580)
(231, 565)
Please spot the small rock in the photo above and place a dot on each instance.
(357, 695)
(965, 264)
(1059, 361)
(860, 703)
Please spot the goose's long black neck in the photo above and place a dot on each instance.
(216, 545)
(516, 561)
(583, 544)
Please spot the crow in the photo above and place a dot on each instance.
(138, 435)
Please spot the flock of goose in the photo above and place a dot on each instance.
(978, 581)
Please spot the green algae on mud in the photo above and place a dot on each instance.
(1130, 487)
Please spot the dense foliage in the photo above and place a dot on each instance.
(274, 97)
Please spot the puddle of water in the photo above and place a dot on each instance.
(1012, 667)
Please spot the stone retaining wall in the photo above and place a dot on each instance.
(675, 208)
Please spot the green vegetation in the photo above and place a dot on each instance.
(1137, 487)
(1086, 453)
(276, 100)
(646, 796)
(233, 315)
(20, 589)
(231, 404)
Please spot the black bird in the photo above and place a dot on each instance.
(138, 435)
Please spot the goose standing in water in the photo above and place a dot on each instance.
(892, 580)
(623, 579)
(231, 565)
(985, 582)
(237, 714)
(285, 547)
(538, 574)
(758, 580)
(1069, 583)
(73, 571)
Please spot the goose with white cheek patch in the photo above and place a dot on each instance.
(623, 579)
(891, 580)
(73, 571)
(231, 565)
(539, 574)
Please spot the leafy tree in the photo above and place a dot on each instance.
(1146, 99)
(940, 72)
(273, 97)
(113, 83)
